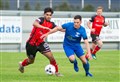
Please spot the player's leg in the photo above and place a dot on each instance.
(70, 54)
(97, 44)
(93, 46)
(73, 60)
(97, 47)
(52, 60)
(86, 65)
(80, 54)
(94, 39)
(45, 50)
(31, 53)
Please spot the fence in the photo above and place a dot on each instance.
(28, 18)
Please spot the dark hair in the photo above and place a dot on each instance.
(48, 9)
(78, 17)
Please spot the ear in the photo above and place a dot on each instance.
(80, 22)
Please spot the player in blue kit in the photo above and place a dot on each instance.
(74, 32)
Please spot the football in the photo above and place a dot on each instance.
(50, 69)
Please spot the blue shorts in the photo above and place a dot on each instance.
(70, 50)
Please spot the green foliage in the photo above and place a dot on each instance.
(7, 6)
(105, 68)
(27, 6)
(37, 6)
(62, 7)
(1, 5)
(88, 8)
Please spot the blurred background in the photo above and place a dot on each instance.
(17, 16)
(60, 5)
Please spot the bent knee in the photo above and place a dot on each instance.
(31, 61)
(100, 44)
(84, 62)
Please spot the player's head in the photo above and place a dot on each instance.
(48, 13)
(99, 10)
(77, 21)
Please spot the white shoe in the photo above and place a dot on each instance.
(21, 68)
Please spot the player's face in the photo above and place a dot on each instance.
(48, 16)
(99, 12)
(77, 23)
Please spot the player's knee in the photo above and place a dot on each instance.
(100, 45)
(72, 58)
(84, 61)
(72, 61)
(31, 61)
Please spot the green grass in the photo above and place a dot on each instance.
(105, 68)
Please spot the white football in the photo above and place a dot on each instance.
(50, 69)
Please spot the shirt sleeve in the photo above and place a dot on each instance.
(92, 18)
(53, 25)
(84, 34)
(40, 20)
(64, 26)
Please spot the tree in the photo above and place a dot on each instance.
(27, 6)
(63, 7)
(7, 5)
(37, 6)
(1, 5)
(88, 8)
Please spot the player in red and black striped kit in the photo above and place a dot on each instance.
(34, 44)
(98, 21)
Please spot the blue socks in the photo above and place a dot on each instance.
(86, 67)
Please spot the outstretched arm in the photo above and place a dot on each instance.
(55, 30)
(36, 24)
(52, 31)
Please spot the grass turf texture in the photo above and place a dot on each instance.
(104, 69)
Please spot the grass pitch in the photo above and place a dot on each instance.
(105, 69)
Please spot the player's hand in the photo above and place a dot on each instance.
(92, 30)
(106, 24)
(89, 56)
(44, 36)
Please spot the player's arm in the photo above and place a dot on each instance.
(36, 24)
(89, 24)
(85, 38)
(105, 24)
(57, 28)
(88, 48)
(44, 36)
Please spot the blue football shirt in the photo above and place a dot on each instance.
(73, 36)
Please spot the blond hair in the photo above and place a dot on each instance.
(100, 7)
